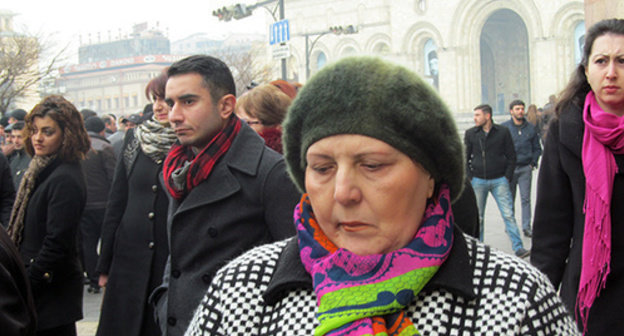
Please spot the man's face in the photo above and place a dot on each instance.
(16, 135)
(480, 118)
(111, 125)
(517, 112)
(193, 115)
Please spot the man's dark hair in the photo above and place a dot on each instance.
(515, 103)
(216, 74)
(87, 113)
(107, 119)
(487, 109)
(18, 126)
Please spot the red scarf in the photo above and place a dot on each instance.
(200, 165)
(603, 137)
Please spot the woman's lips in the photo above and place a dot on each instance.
(353, 226)
(611, 89)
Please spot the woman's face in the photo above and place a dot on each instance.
(368, 197)
(605, 72)
(253, 122)
(161, 109)
(46, 137)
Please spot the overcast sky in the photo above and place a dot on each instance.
(66, 21)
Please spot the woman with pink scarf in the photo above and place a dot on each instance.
(578, 237)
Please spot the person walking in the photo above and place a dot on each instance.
(528, 150)
(491, 159)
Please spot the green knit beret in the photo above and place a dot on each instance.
(375, 98)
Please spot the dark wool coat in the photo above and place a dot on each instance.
(134, 244)
(247, 200)
(48, 247)
(17, 308)
(477, 291)
(559, 224)
(489, 156)
(7, 191)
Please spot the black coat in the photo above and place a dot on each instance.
(7, 191)
(489, 156)
(247, 200)
(17, 308)
(48, 247)
(559, 224)
(134, 244)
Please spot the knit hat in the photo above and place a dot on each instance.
(94, 124)
(375, 98)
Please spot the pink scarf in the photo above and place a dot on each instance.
(603, 137)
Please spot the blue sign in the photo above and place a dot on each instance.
(280, 32)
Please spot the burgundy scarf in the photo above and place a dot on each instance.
(200, 165)
(603, 137)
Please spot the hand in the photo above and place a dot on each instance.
(7, 149)
(103, 280)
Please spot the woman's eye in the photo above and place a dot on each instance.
(321, 169)
(372, 166)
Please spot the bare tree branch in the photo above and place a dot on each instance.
(20, 68)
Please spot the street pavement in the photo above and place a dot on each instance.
(495, 236)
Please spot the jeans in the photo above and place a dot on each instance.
(522, 178)
(499, 187)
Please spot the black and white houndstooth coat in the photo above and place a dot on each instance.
(478, 291)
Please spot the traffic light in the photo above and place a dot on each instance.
(224, 13)
(240, 11)
(350, 29)
(336, 30)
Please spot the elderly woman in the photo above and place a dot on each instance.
(45, 217)
(578, 237)
(377, 253)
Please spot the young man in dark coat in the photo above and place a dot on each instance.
(228, 191)
(528, 150)
(18, 159)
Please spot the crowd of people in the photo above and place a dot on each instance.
(348, 206)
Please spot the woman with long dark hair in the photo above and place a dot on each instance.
(134, 234)
(578, 237)
(47, 210)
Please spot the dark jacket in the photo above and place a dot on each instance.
(99, 167)
(247, 200)
(7, 191)
(19, 161)
(559, 221)
(134, 243)
(526, 143)
(17, 308)
(489, 156)
(48, 247)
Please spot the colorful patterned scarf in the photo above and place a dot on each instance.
(197, 168)
(366, 295)
(603, 136)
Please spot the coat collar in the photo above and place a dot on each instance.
(290, 274)
(571, 129)
(244, 155)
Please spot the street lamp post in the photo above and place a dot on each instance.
(350, 29)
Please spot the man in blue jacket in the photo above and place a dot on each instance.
(528, 150)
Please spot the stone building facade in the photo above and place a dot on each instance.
(472, 51)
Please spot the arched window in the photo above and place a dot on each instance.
(321, 60)
(430, 56)
(579, 42)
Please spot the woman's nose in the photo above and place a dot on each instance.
(346, 189)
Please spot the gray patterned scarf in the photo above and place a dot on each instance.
(26, 188)
(155, 139)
